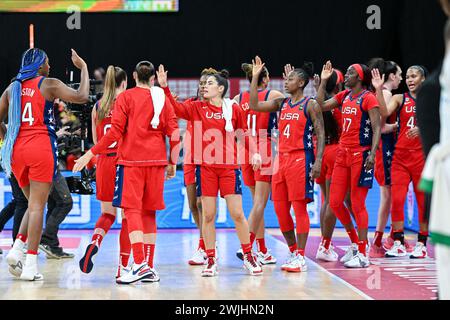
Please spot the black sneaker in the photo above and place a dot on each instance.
(1, 251)
(48, 251)
(62, 254)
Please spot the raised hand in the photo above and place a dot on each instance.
(77, 60)
(377, 80)
(287, 70)
(316, 82)
(162, 76)
(258, 66)
(327, 71)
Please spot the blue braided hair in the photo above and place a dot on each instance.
(32, 60)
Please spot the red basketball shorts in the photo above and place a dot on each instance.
(211, 180)
(292, 181)
(34, 158)
(106, 177)
(139, 187)
(329, 157)
(407, 166)
(189, 174)
(250, 176)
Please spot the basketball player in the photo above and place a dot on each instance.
(260, 126)
(333, 128)
(355, 157)
(115, 84)
(216, 120)
(199, 257)
(30, 147)
(408, 161)
(292, 182)
(383, 159)
(141, 120)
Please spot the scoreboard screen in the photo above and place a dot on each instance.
(89, 5)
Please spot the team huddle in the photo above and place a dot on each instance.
(352, 131)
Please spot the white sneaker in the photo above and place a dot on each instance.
(210, 269)
(297, 265)
(15, 260)
(397, 250)
(419, 252)
(265, 258)
(358, 261)
(328, 255)
(30, 270)
(351, 252)
(154, 277)
(121, 271)
(251, 264)
(289, 261)
(137, 273)
(199, 258)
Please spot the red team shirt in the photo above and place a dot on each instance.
(406, 118)
(35, 149)
(37, 113)
(103, 127)
(132, 106)
(356, 126)
(295, 126)
(260, 124)
(209, 119)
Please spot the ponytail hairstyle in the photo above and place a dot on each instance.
(208, 72)
(113, 79)
(248, 69)
(222, 79)
(386, 68)
(335, 80)
(305, 73)
(145, 70)
(32, 60)
(422, 70)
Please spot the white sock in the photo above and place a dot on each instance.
(18, 244)
(31, 260)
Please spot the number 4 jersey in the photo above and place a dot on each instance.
(406, 119)
(35, 149)
(37, 113)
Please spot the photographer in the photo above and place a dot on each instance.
(58, 207)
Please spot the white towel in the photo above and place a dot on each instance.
(159, 99)
(227, 111)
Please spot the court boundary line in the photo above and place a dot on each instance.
(345, 283)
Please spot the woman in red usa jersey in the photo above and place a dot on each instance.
(260, 125)
(383, 159)
(408, 161)
(355, 157)
(189, 168)
(141, 120)
(217, 123)
(30, 147)
(332, 124)
(292, 181)
(115, 83)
